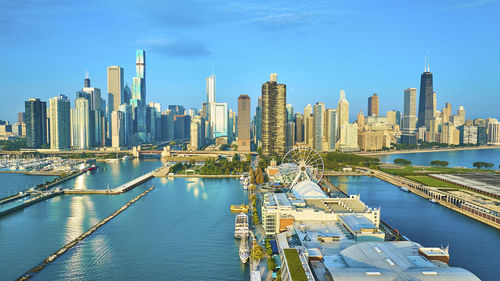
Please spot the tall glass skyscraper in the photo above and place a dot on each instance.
(36, 122)
(426, 104)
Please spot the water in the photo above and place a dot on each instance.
(112, 174)
(473, 245)
(182, 230)
(457, 158)
(11, 184)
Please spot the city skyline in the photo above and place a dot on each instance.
(314, 72)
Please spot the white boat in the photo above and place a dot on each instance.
(125, 158)
(432, 200)
(241, 226)
(404, 189)
(244, 250)
(242, 177)
(245, 185)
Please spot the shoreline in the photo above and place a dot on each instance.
(379, 153)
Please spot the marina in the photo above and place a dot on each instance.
(198, 189)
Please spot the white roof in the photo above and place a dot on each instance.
(308, 189)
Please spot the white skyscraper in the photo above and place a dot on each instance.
(319, 126)
(59, 114)
(80, 124)
(211, 89)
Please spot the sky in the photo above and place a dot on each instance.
(316, 47)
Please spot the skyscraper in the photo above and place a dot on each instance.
(332, 132)
(426, 105)
(139, 108)
(117, 128)
(86, 81)
(409, 116)
(140, 64)
(299, 127)
(342, 113)
(273, 117)
(115, 88)
(244, 123)
(319, 125)
(81, 130)
(410, 110)
(211, 89)
(373, 105)
(258, 121)
(59, 116)
(36, 122)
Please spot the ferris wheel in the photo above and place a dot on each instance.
(301, 163)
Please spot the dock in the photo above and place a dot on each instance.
(73, 243)
(29, 202)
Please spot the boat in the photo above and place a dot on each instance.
(239, 208)
(241, 226)
(242, 177)
(92, 168)
(404, 189)
(245, 185)
(432, 200)
(244, 250)
(125, 158)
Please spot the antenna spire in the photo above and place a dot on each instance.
(86, 74)
(428, 61)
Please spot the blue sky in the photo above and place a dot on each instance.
(316, 47)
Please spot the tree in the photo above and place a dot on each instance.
(480, 165)
(401, 161)
(255, 218)
(259, 177)
(439, 163)
(257, 252)
(252, 175)
(269, 250)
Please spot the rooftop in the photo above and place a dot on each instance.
(307, 189)
(488, 183)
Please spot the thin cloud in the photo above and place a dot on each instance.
(467, 5)
(177, 47)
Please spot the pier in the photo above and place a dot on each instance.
(386, 228)
(73, 243)
(465, 205)
(31, 201)
(45, 195)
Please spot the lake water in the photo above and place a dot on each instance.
(473, 245)
(458, 158)
(182, 230)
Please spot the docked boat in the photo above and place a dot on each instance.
(241, 226)
(92, 168)
(125, 158)
(432, 200)
(404, 189)
(245, 185)
(244, 250)
(239, 208)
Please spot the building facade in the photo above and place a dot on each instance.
(244, 123)
(60, 127)
(273, 117)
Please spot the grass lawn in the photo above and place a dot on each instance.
(412, 170)
(297, 272)
(433, 182)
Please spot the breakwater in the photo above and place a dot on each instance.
(29, 202)
(74, 242)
